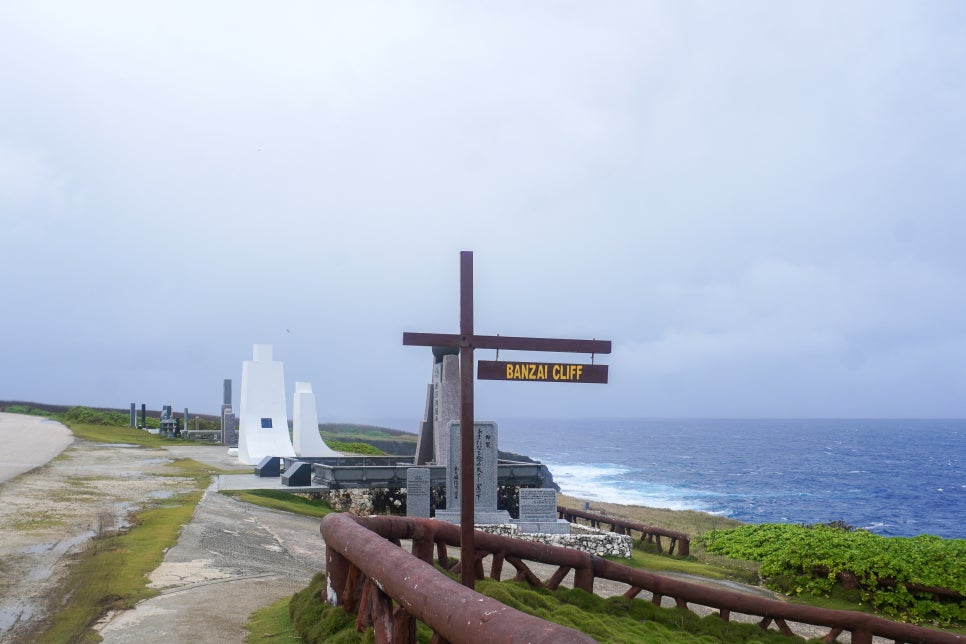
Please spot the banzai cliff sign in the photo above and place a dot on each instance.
(467, 341)
(541, 371)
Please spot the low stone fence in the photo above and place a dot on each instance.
(368, 573)
(590, 540)
(649, 534)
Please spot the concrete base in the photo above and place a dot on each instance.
(479, 518)
(552, 526)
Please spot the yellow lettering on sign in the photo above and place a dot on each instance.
(542, 371)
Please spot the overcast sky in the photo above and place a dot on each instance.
(763, 205)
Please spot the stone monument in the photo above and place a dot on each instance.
(424, 441)
(306, 440)
(485, 484)
(418, 492)
(538, 512)
(263, 417)
(446, 402)
(229, 427)
(226, 406)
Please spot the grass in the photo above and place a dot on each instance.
(354, 447)
(689, 566)
(689, 522)
(700, 562)
(621, 620)
(130, 435)
(37, 520)
(112, 573)
(350, 430)
(272, 624)
(284, 501)
(616, 620)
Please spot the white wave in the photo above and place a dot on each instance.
(602, 483)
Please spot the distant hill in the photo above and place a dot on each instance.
(391, 441)
(62, 409)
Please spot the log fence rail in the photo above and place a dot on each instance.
(367, 572)
(649, 534)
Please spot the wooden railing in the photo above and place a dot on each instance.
(649, 534)
(389, 589)
(367, 573)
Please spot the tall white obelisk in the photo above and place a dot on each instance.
(263, 417)
(305, 428)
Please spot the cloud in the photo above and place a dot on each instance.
(746, 199)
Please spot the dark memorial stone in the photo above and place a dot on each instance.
(268, 467)
(298, 474)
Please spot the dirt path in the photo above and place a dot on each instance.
(29, 442)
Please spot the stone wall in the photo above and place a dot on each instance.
(365, 502)
(590, 540)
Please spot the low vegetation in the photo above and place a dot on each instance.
(284, 501)
(272, 624)
(354, 447)
(24, 409)
(901, 577)
(345, 437)
(612, 620)
(111, 574)
(101, 416)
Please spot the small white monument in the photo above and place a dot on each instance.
(263, 417)
(305, 429)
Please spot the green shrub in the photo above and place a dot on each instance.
(810, 560)
(88, 416)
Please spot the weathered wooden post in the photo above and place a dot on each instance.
(467, 341)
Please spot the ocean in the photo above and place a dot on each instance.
(892, 477)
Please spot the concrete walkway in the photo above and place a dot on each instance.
(233, 558)
(29, 442)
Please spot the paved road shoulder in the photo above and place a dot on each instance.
(29, 442)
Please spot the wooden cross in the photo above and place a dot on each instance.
(467, 341)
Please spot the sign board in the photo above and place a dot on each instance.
(541, 371)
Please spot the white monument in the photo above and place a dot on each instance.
(263, 417)
(305, 428)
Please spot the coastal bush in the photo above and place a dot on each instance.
(913, 579)
(25, 409)
(88, 416)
